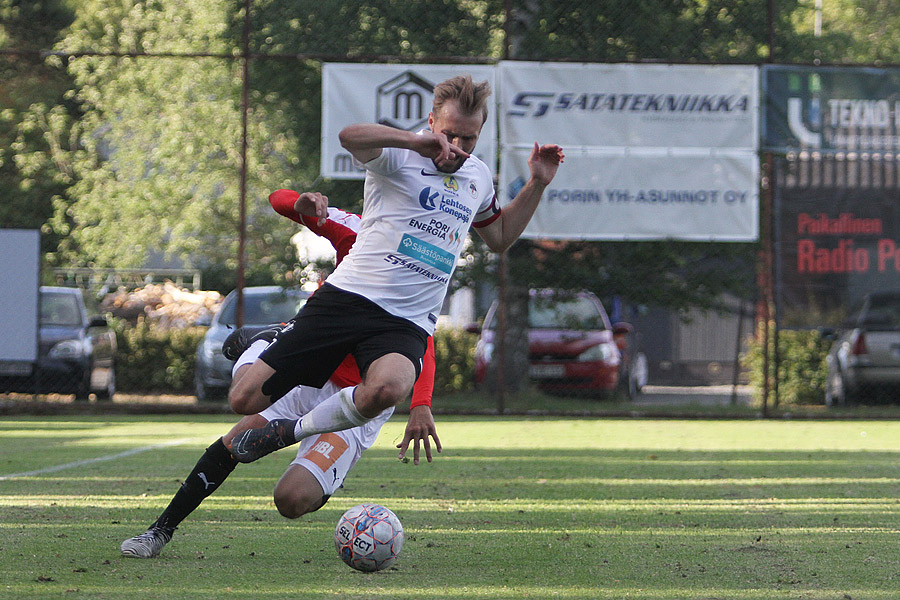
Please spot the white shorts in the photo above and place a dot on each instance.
(328, 456)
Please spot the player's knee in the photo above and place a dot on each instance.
(238, 403)
(242, 401)
(293, 504)
(382, 396)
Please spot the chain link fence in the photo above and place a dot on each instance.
(153, 131)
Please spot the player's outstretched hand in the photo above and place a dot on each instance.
(313, 204)
(418, 429)
(544, 161)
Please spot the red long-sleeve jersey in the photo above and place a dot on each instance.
(340, 229)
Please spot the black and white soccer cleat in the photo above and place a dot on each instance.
(243, 337)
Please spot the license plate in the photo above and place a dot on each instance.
(547, 371)
(15, 368)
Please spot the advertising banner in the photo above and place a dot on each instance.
(652, 151)
(619, 196)
(396, 95)
(629, 105)
(836, 244)
(830, 109)
(20, 280)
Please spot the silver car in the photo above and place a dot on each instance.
(865, 356)
(263, 305)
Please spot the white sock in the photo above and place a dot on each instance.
(332, 414)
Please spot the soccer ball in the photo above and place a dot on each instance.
(368, 537)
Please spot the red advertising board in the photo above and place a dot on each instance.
(835, 243)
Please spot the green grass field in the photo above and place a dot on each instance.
(514, 508)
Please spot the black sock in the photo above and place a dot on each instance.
(210, 471)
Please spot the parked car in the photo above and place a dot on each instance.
(865, 354)
(572, 348)
(76, 354)
(263, 305)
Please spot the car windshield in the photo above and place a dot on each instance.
(568, 312)
(883, 312)
(60, 310)
(263, 309)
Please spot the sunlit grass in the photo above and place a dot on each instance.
(534, 507)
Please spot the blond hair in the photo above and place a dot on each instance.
(471, 97)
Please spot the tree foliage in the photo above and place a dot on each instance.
(27, 81)
(156, 153)
(126, 158)
(852, 32)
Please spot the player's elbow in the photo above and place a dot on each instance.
(494, 236)
(283, 200)
(347, 137)
(499, 247)
(497, 243)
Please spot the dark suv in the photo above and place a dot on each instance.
(76, 354)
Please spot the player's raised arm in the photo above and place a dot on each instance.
(366, 140)
(543, 164)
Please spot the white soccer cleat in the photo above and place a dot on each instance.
(147, 545)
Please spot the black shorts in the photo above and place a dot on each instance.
(332, 324)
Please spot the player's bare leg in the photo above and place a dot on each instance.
(214, 466)
(298, 492)
(388, 382)
(245, 395)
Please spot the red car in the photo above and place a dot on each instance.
(572, 347)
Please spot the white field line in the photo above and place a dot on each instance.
(88, 461)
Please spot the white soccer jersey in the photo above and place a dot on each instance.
(414, 223)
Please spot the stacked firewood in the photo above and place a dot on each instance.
(164, 304)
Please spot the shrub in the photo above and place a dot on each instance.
(155, 359)
(150, 358)
(454, 352)
(801, 366)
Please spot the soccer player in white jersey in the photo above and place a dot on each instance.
(323, 462)
(423, 192)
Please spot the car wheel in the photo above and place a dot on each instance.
(637, 375)
(107, 393)
(205, 393)
(83, 388)
(835, 392)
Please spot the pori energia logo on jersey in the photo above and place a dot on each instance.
(404, 101)
(437, 229)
